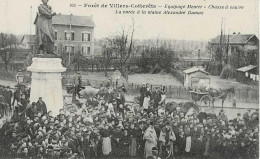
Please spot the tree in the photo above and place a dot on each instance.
(8, 47)
(154, 59)
(122, 46)
(125, 47)
(107, 54)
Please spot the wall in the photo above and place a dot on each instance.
(77, 42)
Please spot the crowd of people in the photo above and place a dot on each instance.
(13, 100)
(109, 127)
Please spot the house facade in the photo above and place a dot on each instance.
(74, 34)
(237, 49)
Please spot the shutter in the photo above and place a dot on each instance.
(72, 36)
(88, 50)
(82, 36)
(72, 49)
(88, 36)
(66, 36)
(56, 35)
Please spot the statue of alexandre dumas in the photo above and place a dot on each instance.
(44, 31)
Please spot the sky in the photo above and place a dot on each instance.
(15, 18)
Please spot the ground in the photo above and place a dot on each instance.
(167, 79)
(153, 79)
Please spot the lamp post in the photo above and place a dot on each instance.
(198, 57)
(117, 75)
(19, 77)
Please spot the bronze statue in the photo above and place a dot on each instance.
(44, 31)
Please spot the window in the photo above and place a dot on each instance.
(31, 47)
(69, 36)
(55, 35)
(55, 48)
(72, 35)
(85, 36)
(69, 49)
(86, 50)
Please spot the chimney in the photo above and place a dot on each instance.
(234, 33)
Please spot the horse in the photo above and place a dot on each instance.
(222, 94)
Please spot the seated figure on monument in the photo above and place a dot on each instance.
(44, 31)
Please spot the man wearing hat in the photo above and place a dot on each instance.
(8, 94)
(17, 95)
(156, 98)
(115, 140)
(41, 106)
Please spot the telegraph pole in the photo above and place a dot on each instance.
(31, 28)
(70, 39)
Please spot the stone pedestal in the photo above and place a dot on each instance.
(46, 82)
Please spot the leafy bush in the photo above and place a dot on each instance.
(178, 74)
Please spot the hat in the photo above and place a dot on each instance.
(154, 149)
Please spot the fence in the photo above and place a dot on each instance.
(174, 92)
(247, 95)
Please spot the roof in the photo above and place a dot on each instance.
(28, 38)
(195, 69)
(246, 68)
(61, 19)
(233, 39)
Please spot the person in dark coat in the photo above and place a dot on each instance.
(181, 141)
(139, 139)
(157, 98)
(142, 93)
(202, 115)
(115, 140)
(41, 107)
(31, 111)
(17, 95)
(246, 115)
(120, 98)
(8, 94)
(124, 144)
(109, 96)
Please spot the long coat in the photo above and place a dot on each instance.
(41, 107)
(43, 23)
(151, 141)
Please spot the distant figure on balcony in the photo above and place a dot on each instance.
(44, 31)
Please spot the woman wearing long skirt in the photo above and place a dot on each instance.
(146, 101)
(163, 95)
(106, 141)
(150, 138)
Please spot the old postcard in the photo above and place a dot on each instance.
(143, 79)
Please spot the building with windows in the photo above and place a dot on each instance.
(237, 49)
(74, 34)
